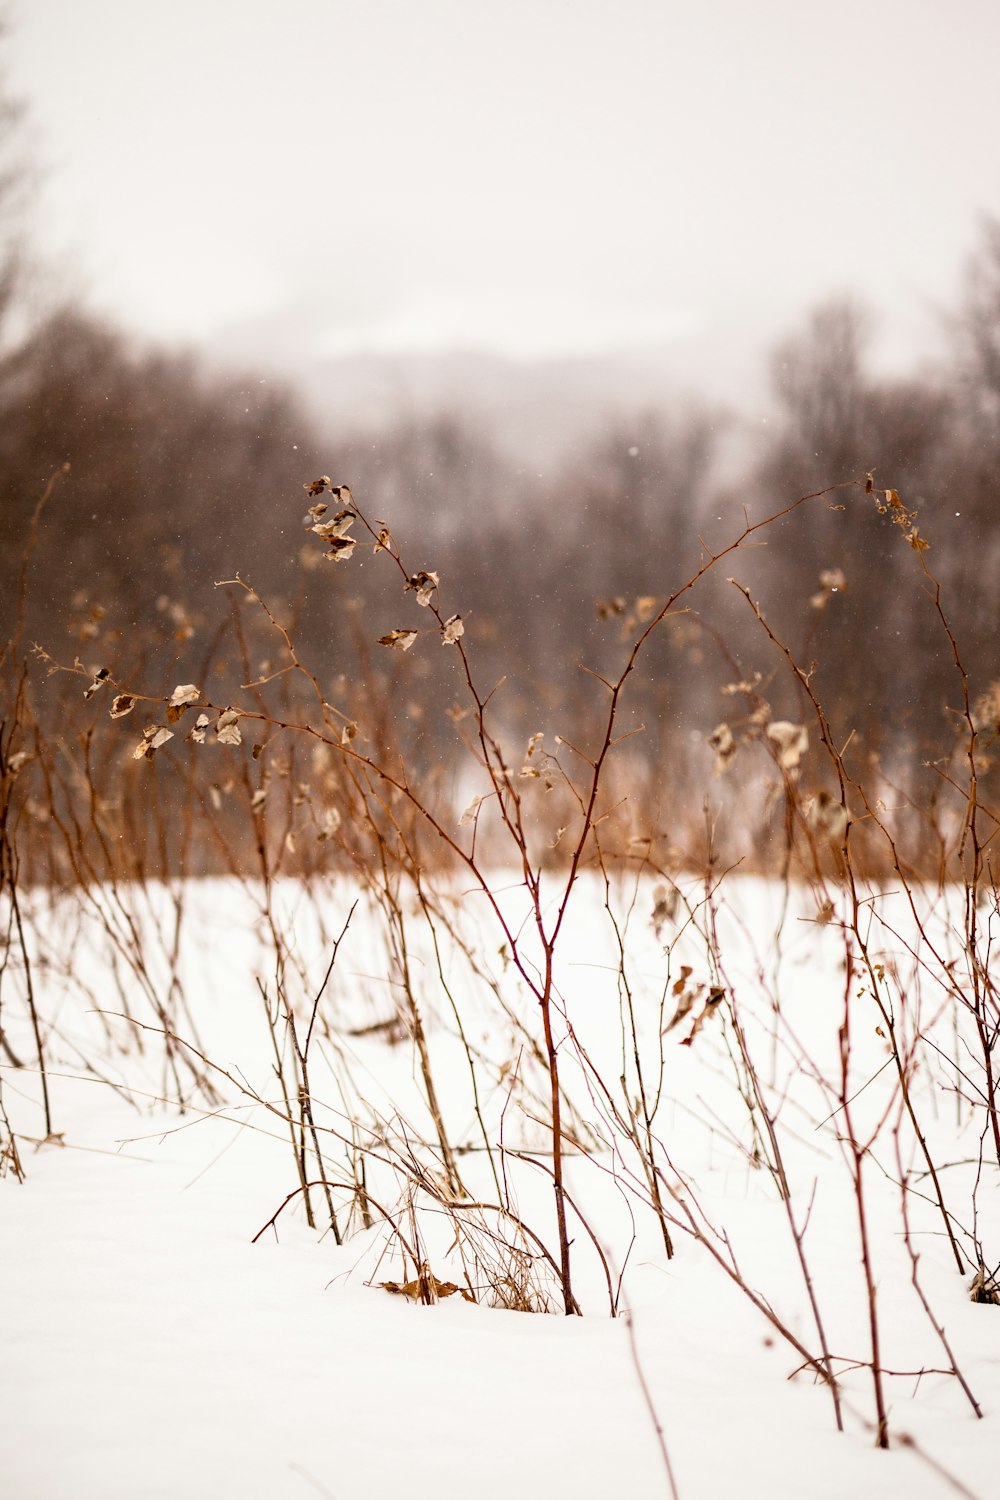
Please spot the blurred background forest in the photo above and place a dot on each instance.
(550, 537)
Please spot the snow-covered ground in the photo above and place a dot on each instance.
(153, 1349)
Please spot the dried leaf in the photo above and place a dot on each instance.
(403, 1289)
(722, 742)
(401, 640)
(831, 581)
(747, 685)
(426, 1288)
(198, 732)
(17, 761)
(152, 738)
(791, 742)
(184, 694)
(341, 548)
(685, 1003)
(100, 678)
(985, 1288)
(715, 999)
(349, 732)
(319, 485)
(527, 768)
(338, 527)
(424, 583)
(122, 705)
(258, 799)
(472, 811)
(607, 609)
(331, 822)
(664, 907)
(451, 630)
(916, 541)
(227, 729)
(828, 816)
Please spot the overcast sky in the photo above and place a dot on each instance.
(531, 177)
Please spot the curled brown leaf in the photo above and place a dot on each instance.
(399, 640)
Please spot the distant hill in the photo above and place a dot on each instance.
(534, 411)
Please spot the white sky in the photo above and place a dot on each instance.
(533, 177)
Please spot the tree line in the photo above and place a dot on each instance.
(179, 478)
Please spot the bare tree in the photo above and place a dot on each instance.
(15, 183)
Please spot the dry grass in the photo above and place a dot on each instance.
(254, 771)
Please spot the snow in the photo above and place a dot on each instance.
(151, 1349)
